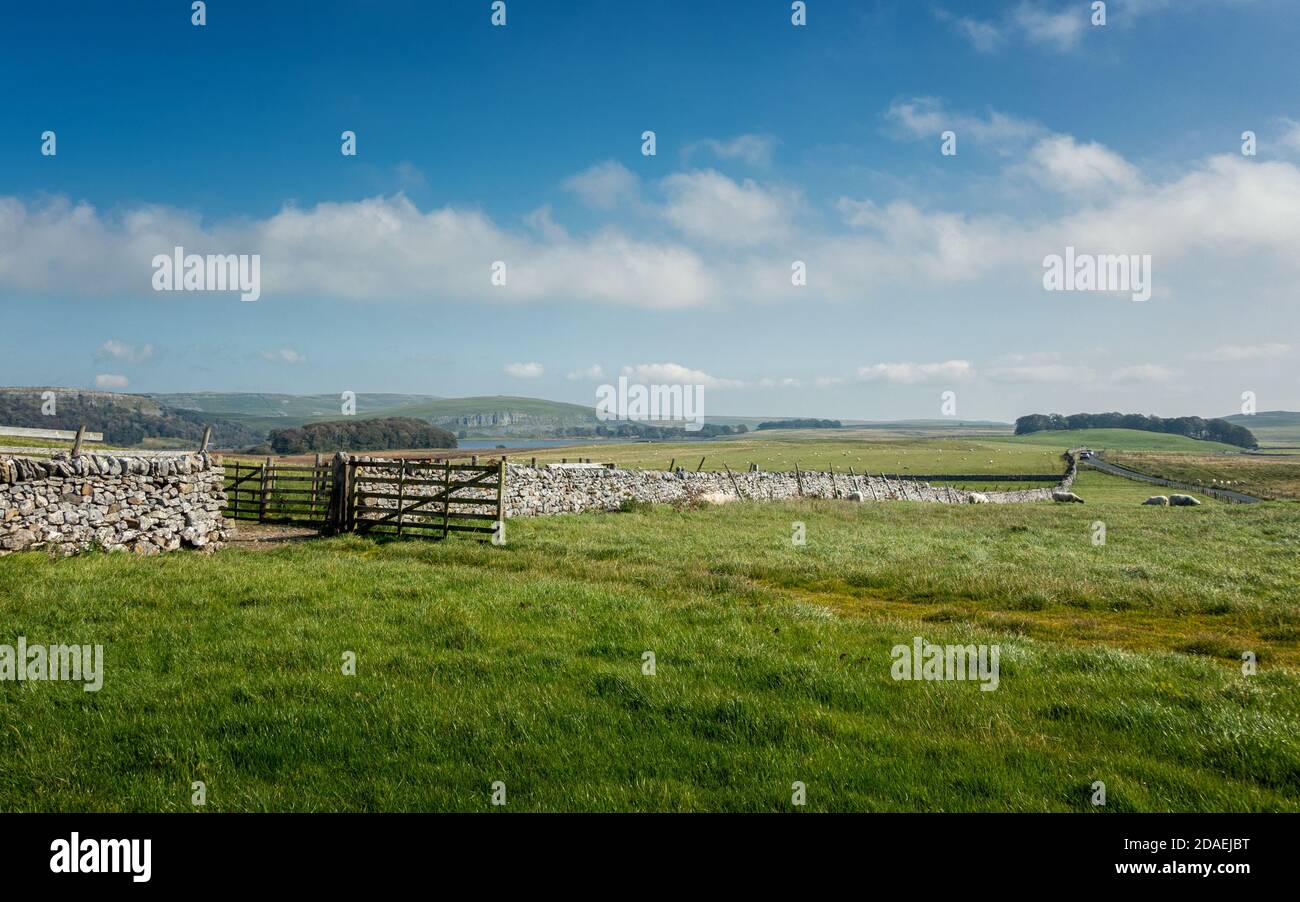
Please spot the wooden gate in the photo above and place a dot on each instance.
(424, 498)
(268, 492)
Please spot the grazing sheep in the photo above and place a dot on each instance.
(1183, 501)
(1066, 498)
(1158, 499)
(856, 496)
(977, 498)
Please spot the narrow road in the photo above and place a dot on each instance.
(1221, 494)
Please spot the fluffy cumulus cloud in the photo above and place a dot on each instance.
(756, 150)
(525, 370)
(711, 208)
(702, 238)
(120, 350)
(917, 373)
(604, 186)
(675, 374)
(284, 355)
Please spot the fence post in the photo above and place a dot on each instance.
(446, 498)
(401, 494)
(501, 493)
(207, 437)
(266, 475)
(76, 444)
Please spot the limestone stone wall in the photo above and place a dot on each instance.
(539, 491)
(142, 504)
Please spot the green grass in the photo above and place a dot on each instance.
(1274, 476)
(863, 451)
(1121, 440)
(523, 664)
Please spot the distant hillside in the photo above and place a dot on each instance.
(1271, 427)
(499, 414)
(124, 419)
(261, 405)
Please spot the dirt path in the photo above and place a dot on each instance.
(263, 536)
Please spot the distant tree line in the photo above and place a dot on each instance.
(122, 422)
(801, 424)
(1193, 427)
(628, 429)
(385, 434)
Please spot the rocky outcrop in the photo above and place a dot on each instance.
(141, 504)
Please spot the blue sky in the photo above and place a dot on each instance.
(775, 143)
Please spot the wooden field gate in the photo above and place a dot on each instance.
(294, 495)
(417, 498)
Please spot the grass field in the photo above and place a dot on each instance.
(1274, 476)
(523, 664)
(866, 452)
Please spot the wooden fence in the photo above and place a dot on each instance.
(298, 495)
(419, 498)
(430, 499)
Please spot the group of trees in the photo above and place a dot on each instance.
(360, 435)
(801, 424)
(1193, 427)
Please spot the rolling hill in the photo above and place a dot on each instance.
(1273, 428)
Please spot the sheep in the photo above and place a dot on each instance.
(977, 498)
(1066, 498)
(1161, 500)
(856, 496)
(1183, 501)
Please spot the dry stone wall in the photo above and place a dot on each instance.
(539, 491)
(141, 504)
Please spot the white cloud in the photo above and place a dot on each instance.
(1057, 28)
(604, 186)
(1265, 351)
(1063, 163)
(675, 374)
(986, 37)
(284, 355)
(589, 374)
(927, 117)
(915, 373)
(110, 381)
(708, 206)
(1289, 139)
(756, 150)
(118, 350)
(525, 370)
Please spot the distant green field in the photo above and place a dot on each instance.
(1271, 427)
(865, 452)
(1120, 440)
(1271, 476)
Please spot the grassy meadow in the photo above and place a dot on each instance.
(1272, 476)
(524, 663)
